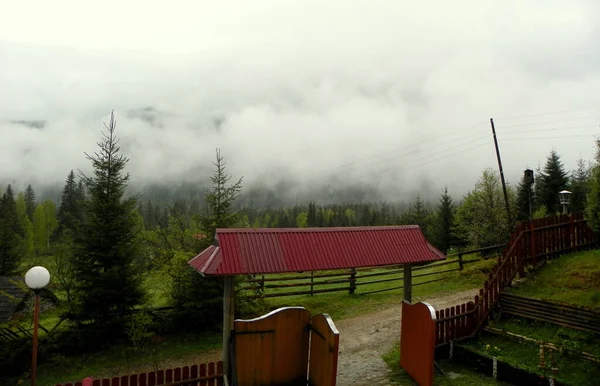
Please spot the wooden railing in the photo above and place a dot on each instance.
(529, 243)
(209, 374)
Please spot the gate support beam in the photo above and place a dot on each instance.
(408, 283)
(228, 317)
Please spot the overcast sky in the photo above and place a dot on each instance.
(394, 93)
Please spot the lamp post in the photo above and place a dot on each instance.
(36, 279)
(565, 199)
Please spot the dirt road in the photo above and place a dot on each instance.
(364, 339)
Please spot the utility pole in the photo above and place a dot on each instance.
(501, 174)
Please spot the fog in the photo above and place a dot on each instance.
(395, 96)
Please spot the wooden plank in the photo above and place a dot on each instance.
(280, 339)
(324, 350)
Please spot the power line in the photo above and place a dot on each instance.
(433, 138)
(548, 113)
(429, 156)
(551, 129)
(553, 121)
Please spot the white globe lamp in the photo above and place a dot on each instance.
(37, 278)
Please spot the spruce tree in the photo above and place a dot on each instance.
(70, 211)
(30, 202)
(553, 180)
(220, 200)
(107, 279)
(580, 186)
(525, 197)
(191, 290)
(444, 221)
(592, 210)
(10, 238)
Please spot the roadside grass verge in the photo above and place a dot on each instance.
(456, 375)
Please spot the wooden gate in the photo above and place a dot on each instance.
(274, 349)
(417, 341)
(324, 347)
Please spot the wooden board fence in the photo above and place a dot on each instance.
(206, 374)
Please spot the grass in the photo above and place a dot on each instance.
(573, 279)
(572, 370)
(456, 375)
(551, 333)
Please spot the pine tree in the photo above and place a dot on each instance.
(70, 211)
(220, 200)
(580, 186)
(553, 181)
(107, 279)
(30, 202)
(592, 210)
(525, 197)
(10, 238)
(311, 219)
(444, 221)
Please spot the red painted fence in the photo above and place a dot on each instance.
(552, 236)
(207, 374)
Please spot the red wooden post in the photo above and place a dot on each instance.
(87, 382)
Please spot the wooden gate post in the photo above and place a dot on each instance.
(228, 317)
(408, 283)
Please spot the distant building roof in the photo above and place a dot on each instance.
(11, 294)
(276, 250)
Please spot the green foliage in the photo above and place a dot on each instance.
(592, 209)
(580, 186)
(107, 279)
(30, 202)
(138, 329)
(482, 220)
(44, 225)
(525, 200)
(444, 222)
(71, 210)
(10, 234)
(554, 181)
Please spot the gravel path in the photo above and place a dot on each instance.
(364, 339)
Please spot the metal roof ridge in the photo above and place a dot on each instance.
(210, 259)
(317, 229)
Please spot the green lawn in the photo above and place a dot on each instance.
(573, 279)
(455, 375)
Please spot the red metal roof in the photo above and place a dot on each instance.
(276, 250)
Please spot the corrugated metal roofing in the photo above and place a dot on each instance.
(277, 250)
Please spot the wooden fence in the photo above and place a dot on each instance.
(206, 374)
(530, 242)
(349, 280)
(566, 315)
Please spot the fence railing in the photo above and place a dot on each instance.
(352, 280)
(566, 315)
(206, 374)
(540, 239)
